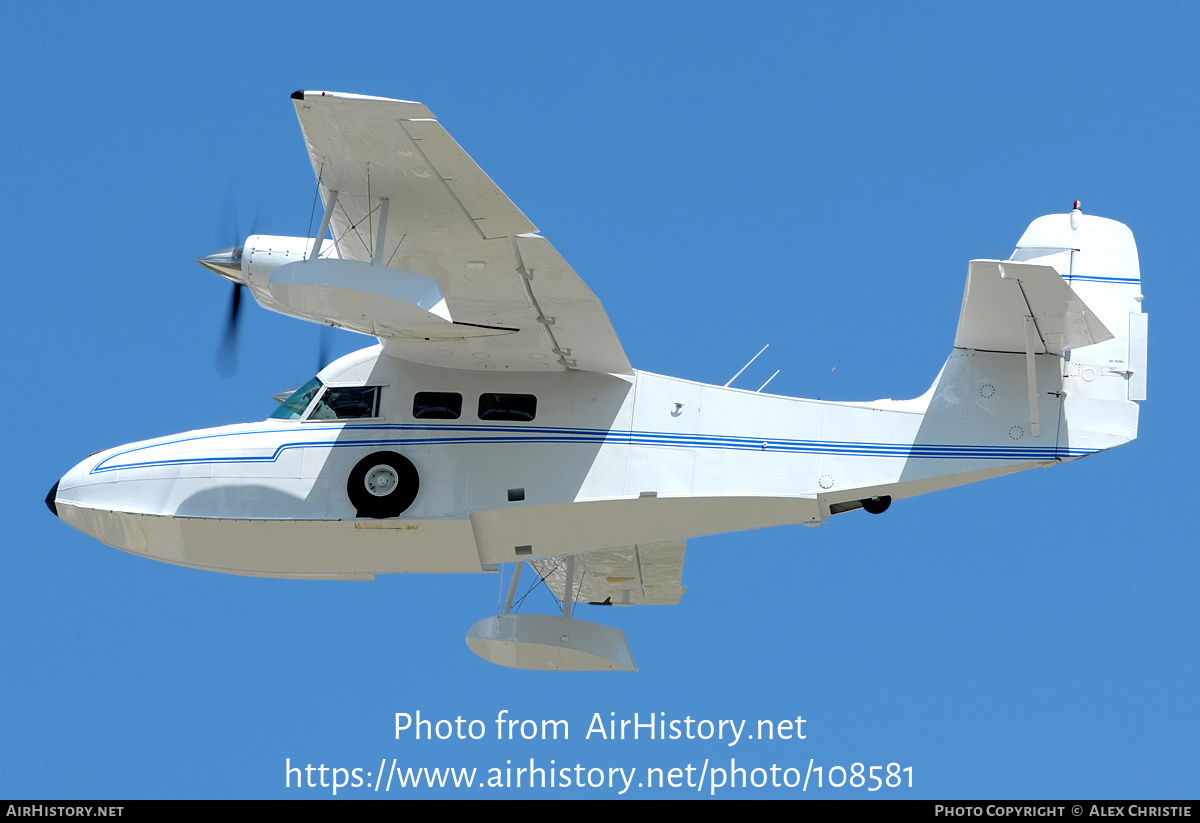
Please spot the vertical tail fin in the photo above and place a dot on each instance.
(1098, 258)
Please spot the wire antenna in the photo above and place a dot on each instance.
(743, 368)
(769, 379)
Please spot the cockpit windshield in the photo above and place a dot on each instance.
(294, 406)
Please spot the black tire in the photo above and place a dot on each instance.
(876, 505)
(383, 484)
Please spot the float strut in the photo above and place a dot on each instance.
(569, 594)
(512, 586)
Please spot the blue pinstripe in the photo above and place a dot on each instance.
(548, 435)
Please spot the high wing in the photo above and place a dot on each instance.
(645, 575)
(518, 304)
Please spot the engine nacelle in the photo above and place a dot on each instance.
(371, 299)
(262, 254)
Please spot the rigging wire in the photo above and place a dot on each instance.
(541, 580)
(353, 227)
(316, 194)
(389, 260)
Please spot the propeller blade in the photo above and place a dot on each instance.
(323, 349)
(226, 360)
(228, 264)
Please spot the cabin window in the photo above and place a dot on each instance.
(294, 406)
(518, 407)
(347, 403)
(437, 405)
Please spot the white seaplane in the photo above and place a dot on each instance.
(497, 420)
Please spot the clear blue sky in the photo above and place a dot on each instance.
(722, 177)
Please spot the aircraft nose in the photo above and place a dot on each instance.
(50, 499)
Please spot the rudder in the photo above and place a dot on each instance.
(1098, 259)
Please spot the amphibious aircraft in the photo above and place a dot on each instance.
(497, 420)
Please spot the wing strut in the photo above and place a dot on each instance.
(383, 210)
(325, 218)
(512, 586)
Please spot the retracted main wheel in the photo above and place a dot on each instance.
(383, 484)
(877, 505)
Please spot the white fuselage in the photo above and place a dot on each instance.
(607, 461)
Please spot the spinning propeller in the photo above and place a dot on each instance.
(228, 264)
(323, 359)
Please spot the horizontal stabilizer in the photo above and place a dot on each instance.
(1001, 294)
